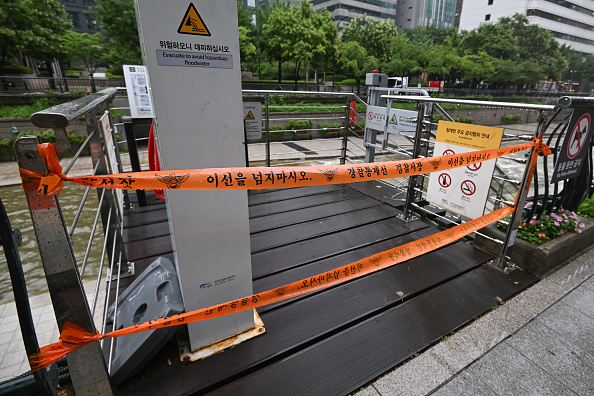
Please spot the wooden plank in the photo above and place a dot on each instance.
(323, 226)
(382, 191)
(143, 218)
(302, 202)
(279, 220)
(292, 328)
(359, 354)
(296, 254)
(279, 195)
(147, 231)
(143, 249)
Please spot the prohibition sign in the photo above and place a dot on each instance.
(370, 116)
(445, 180)
(448, 152)
(578, 136)
(468, 187)
(475, 167)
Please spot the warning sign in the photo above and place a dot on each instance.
(252, 120)
(575, 146)
(192, 23)
(393, 120)
(399, 121)
(463, 190)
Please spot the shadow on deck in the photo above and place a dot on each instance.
(334, 341)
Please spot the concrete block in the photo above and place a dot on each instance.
(465, 384)
(565, 361)
(582, 300)
(574, 326)
(417, 377)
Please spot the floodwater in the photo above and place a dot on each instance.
(18, 213)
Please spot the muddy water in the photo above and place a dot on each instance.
(18, 213)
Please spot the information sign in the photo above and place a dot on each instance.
(463, 190)
(252, 120)
(575, 146)
(138, 89)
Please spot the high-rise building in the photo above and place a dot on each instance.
(345, 10)
(79, 13)
(570, 21)
(413, 13)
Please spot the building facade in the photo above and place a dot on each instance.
(570, 21)
(346, 10)
(79, 13)
(413, 13)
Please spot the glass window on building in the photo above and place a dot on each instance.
(488, 17)
(91, 22)
(75, 19)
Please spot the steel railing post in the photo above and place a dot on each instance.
(345, 136)
(87, 366)
(267, 130)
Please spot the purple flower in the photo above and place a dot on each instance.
(556, 224)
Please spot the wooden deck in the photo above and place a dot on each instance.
(334, 341)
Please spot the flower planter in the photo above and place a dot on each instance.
(539, 260)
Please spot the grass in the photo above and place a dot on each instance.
(26, 110)
(586, 208)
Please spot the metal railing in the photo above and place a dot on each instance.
(33, 85)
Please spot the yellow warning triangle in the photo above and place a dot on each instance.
(193, 23)
(393, 120)
(250, 116)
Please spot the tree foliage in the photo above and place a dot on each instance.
(300, 34)
(117, 19)
(353, 57)
(31, 27)
(373, 35)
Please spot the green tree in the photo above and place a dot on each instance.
(86, 48)
(353, 57)
(442, 60)
(117, 19)
(32, 27)
(405, 58)
(299, 34)
(373, 35)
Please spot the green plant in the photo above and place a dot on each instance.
(549, 226)
(17, 70)
(511, 118)
(79, 92)
(464, 120)
(72, 74)
(586, 208)
(330, 128)
(348, 81)
(297, 125)
(27, 110)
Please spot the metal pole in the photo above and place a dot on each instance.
(345, 137)
(512, 228)
(412, 180)
(267, 130)
(10, 239)
(87, 367)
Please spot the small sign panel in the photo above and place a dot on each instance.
(194, 59)
(399, 121)
(463, 190)
(192, 23)
(252, 120)
(138, 89)
(575, 146)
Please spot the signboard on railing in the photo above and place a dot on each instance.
(575, 146)
(252, 120)
(463, 190)
(399, 121)
(137, 86)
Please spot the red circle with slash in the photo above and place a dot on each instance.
(468, 187)
(578, 136)
(445, 180)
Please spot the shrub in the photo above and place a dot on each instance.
(464, 120)
(47, 136)
(586, 208)
(17, 70)
(549, 226)
(348, 81)
(26, 111)
(72, 74)
(511, 118)
(330, 127)
(338, 77)
(115, 71)
(298, 125)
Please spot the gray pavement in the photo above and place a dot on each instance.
(541, 342)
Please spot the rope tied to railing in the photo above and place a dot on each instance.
(254, 178)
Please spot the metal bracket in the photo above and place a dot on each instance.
(407, 219)
(130, 271)
(507, 269)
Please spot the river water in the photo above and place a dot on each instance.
(18, 213)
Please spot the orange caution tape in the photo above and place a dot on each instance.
(263, 177)
(73, 337)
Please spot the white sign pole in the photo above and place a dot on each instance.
(191, 51)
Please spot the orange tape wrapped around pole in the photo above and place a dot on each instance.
(74, 337)
(259, 177)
